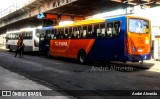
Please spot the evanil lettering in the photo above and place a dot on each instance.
(61, 44)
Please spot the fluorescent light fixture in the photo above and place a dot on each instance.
(65, 23)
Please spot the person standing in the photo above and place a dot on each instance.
(19, 46)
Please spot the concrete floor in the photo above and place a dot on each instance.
(66, 74)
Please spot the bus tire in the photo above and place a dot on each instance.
(82, 57)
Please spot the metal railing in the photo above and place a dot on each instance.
(14, 7)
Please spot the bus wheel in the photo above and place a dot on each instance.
(82, 57)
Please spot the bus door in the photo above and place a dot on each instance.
(44, 41)
(138, 36)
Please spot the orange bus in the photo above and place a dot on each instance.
(123, 38)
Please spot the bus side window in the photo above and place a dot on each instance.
(70, 32)
(8, 36)
(66, 32)
(30, 35)
(46, 34)
(62, 33)
(102, 29)
(75, 32)
(52, 34)
(94, 31)
(99, 31)
(16, 35)
(55, 33)
(80, 33)
(58, 35)
(42, 35)
(13, 36)
(89, 31)
(116, 29)
(109, 29)
(84, 31)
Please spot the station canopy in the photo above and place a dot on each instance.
(91, 7)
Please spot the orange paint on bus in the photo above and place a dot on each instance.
(70, 48)
(140, 41)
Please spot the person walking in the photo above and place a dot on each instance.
(19, 46)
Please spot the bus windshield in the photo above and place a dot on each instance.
(138, 26)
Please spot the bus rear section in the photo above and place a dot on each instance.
(138, 41)
(30, 39)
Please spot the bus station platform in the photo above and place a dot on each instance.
(10, 81)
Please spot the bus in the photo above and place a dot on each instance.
(121, 38)
(30, 39)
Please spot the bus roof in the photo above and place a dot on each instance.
(96, 20)
(15, 31)
(83, 22)
(47, 28)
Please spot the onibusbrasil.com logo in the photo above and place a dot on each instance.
(21, 93)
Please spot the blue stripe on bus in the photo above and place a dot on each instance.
(111, 48)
